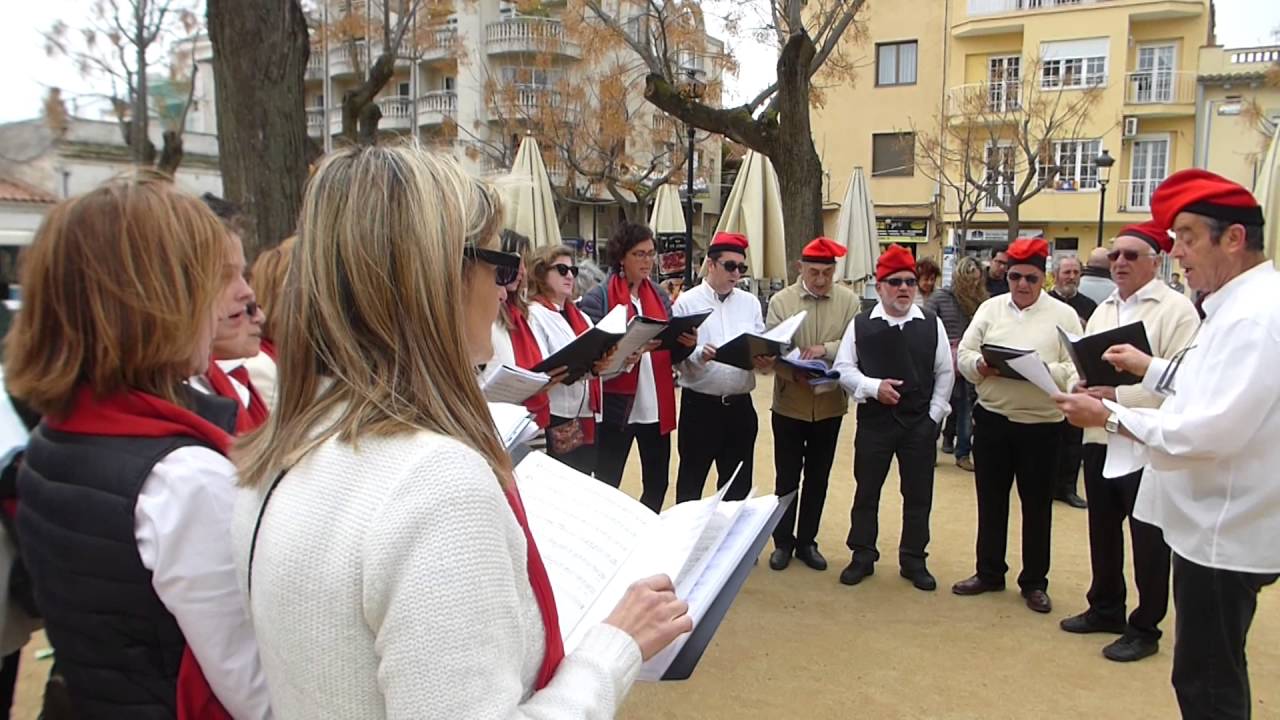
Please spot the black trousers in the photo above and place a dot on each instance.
(1110, 504)
(874, 445)
(614, 445)
(720, 431)
(1215, 610)
(801, 445)
(582, 459)
(1005, 453)
(9, 680)
(1069, 457)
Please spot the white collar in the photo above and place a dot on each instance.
(229, 365)
(1150, 291)
(1220, 296)
(915, 313)
(1014, 305)
(805, 290)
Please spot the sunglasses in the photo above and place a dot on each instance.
(507, 264)
(731, 266)
(251, 309)
(1130, 255)
(1031, 278)
(899, 282)
(565, 270)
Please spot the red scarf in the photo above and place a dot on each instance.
(137, 414)
(248, 418)
(542, 592)
(269, 348)
(578, 323)
(651, 306)
(528, 355)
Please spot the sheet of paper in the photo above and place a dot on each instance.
(585, 531)
(1031, 367)
(505, 384)
(615, 322)
(638, 334)
(750, 518)
(512, 422)
(787, 328)
(1124, 455)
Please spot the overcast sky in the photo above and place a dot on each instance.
(29, 72)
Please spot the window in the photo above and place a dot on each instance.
(893, 154)
(896, 63)
(1074, 160)
(1073, 64)
(450, 83)
(403, 89)
(529, 76)
(1000, 165)
(317, 101)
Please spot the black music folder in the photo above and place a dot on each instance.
(1086, 353)
(998, 357)
(680, 325)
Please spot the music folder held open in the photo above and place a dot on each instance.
(1086, 352)
(743, 349)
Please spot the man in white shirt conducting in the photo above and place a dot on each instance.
(896, 363)
(718, 421)
(1212, 446)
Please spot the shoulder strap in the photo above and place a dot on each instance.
(257, 525)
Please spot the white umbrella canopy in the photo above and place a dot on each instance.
(754, 208)
(1267, 193)
(529, 202)
(667, 216)
(856, 230)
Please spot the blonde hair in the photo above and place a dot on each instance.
(969, 285)
(542, 262)
(372, 332)
(267, 280)
(115, 288)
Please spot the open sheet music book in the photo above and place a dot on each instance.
(506, 384)
(581, 355)
(743, 349)
(817, 371)
(596, 541)
(998, 357)
(515, 425)
(679, 325)
(1086, 352)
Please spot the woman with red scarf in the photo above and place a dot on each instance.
(640, 404)
(126, 493)
(266, 277)
(514, 343)
(390, 568)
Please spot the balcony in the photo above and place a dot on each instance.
(439, 44)
(516, 102)
(315, 65)
(434, 107)
(975, 101)
(1154, 93)
(533, 36)
(315, 121)
(397, 112)
(980, 8)
(997, 17)
(1135, 195)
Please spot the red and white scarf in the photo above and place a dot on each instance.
(626, 384)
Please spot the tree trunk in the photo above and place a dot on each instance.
(171, 153)
(141, 151)
(359, 121)
(259, 59)
(1015, 222)
(794, 157)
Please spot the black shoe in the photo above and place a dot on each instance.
(1038, 600)
(780, 559)
(1073, 500)
(810, 556)
(857, 572)
(948, 445)
(920, 577)
(1086, 623)
(1129, 648)
(975, 586)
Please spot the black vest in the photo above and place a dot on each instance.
(905, 354)
(117, 645)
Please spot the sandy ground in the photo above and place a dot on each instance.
(798, 644)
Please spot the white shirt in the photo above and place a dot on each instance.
(644, 409)
(182, 523)
(864, 388)
(1213, 445)
(263, 373)
(738, 313)
(552, 332)
(504, 352)
(242, 390)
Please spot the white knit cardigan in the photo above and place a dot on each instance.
(390, 581)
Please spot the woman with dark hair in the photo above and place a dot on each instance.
(640, 404)
(514, 343)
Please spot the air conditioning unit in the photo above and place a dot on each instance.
(1130, 126)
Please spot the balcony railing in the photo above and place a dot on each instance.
(1135, 195)
(984, 97)
(1246, 56)
(439, 43)
(1002, 191)
(315, 65)
(396, 107)
(1156, 87)
(978, 8)
(529, 35)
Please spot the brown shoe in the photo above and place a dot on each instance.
(1039, 601)
(975, 586)
(965, 463)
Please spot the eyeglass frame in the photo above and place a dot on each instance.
(900, 281)
(507, 265)
(1130, 255)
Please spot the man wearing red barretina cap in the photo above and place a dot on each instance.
(1016, 427)
(807, 417)
(1213, 446)
(1170, 322)
(896, 362)
(718, 422)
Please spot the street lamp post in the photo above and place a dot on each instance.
(1104, 162)
(693, 89)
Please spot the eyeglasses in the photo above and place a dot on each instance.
(899, 282)
(1031, 278)
(644, 255)
(1130, 255)
(507, 264)
(251, 309)
(565, 270)
(731, 266)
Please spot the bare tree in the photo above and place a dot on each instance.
(118, 43)
(941, 157)
(811, 37)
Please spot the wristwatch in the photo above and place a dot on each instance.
(1112, 425)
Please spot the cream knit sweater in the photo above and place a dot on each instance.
(390, 581)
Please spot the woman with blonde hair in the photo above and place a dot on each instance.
(955, 306)
(390, 569)
(266, 277)
(126, 491)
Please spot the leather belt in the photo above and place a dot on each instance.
(725, 400)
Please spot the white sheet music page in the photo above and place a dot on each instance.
(1031, 367)
(638, 334)
(513, 423)
(787, 328)
(506, 384)
(585, 530)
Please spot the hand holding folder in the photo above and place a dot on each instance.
(580, 356)
(742, 351)
(1086, 352)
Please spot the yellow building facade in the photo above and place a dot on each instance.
(1237, 110)
(1138, 57)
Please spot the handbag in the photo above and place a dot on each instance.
(566, 437)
